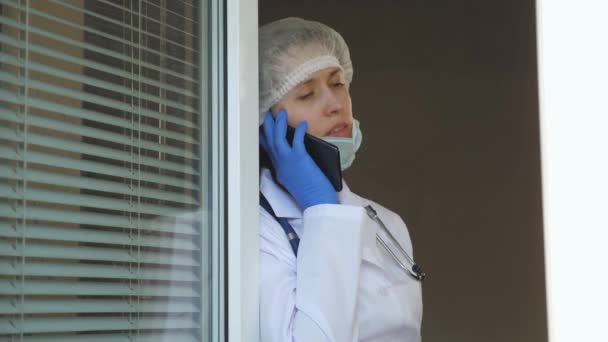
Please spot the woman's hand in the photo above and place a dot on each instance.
(295, 169)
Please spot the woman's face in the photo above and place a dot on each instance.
(323, 101)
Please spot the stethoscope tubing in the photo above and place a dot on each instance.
(415, 271)
(294, 240)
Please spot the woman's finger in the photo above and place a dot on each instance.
(266, 148)
(269, 133)
(298, 137)
(280, 131)
(264, 143)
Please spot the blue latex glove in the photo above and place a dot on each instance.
(294, 167)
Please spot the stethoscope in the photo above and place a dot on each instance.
(414, 269)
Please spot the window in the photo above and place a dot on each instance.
(107, 161)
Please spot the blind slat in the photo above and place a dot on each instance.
(95, 150)
(68, 305)
(181, 16)
(89, 47)
(89, 201)
(90, 288)
(82, 79)
(45, 232)
(172, 336)
(88, 97)
(61, 251)
(82, 113)
(66, 127)
(90, 166)
(106, 18)
(78, 217)
(34, 11)
(48, 325)
(166, 10)
(33, 268)
(81, 182)
(93, 65)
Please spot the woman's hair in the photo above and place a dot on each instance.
(291, 50)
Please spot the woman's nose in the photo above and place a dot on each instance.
(333, 103)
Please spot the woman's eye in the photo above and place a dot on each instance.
(305, 96)
(338, 84)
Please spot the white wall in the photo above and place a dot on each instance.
(573, 88)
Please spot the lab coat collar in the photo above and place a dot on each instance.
(284, 205)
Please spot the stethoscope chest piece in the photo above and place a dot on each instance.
(414, 270)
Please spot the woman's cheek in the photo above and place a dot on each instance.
(294, 118)
(316, 129)
(298, 114)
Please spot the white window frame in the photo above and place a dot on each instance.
(242, 169)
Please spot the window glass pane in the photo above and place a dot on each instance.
(105, 206)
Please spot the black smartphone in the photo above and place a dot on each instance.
(325, 155)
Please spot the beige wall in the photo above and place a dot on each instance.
(446, 94)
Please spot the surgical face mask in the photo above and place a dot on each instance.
(348, 146)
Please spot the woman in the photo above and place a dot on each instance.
(349, 280)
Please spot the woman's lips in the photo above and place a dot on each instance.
(340, 132)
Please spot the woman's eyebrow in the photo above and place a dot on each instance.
(332, 74)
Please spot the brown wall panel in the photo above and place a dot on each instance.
(447, 98)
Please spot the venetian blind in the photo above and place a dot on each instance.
(102, 179)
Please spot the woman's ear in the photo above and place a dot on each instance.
(273, 110)
(276, 108)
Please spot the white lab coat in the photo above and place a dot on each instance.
(342, 287)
